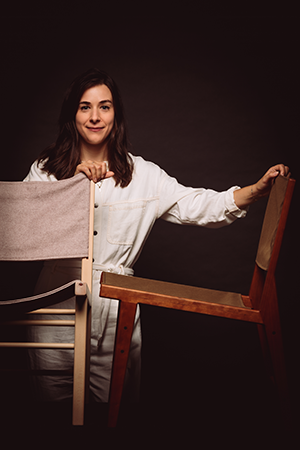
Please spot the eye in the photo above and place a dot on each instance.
(105, 107)
(84, 107)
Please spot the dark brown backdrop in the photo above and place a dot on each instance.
(213, 101)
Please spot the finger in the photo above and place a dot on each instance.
(94, 173)
(88, 168)
(104, 172)
(101, 170)
(282, 169)
(109, 174)
(285, 170)
(273, 172)
(84, 169)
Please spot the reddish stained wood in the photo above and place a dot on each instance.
(123, 339)
(262, 297)
(257, 286)
(183, 304)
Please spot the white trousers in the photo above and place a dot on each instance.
(104, 318)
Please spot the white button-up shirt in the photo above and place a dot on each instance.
(124, 216)
(123, 219)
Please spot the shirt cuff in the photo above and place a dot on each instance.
(231, 206)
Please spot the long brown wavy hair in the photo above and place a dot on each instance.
(62, 157)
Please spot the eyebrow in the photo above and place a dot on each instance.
(88, 103)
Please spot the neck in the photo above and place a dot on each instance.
(93, 153)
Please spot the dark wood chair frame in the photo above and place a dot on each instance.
(260, 306)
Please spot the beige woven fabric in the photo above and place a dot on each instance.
(44, 220)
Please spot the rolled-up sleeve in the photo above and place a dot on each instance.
(203, 207)
(231, 206)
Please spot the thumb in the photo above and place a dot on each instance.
(109, 174)
(274, 173)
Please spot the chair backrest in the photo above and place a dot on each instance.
(39, 220)
(274, 222)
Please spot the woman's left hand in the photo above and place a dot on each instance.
(264, 185)
(247, 195)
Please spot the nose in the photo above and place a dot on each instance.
(95, 115)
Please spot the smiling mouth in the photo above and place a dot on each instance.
(95, 128)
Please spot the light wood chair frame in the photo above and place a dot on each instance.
(39, 304)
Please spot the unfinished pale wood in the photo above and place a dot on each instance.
(87, 263)
(49, 345)
(83, 322)
(55, 296)
(81, 289)
(53, 311)
(40, 323)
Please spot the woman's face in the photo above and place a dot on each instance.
(95, 116)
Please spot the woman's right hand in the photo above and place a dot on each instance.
(94, 170)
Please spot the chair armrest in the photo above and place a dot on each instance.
(58, 295)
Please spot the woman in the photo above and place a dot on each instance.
(130, 194)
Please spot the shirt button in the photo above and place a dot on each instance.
(95, 233)
(96, 205)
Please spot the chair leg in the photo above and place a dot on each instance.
(279, 369)
(80, 360)
(125, 325)
(266, 352)
(88, 352)
(272, 346)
